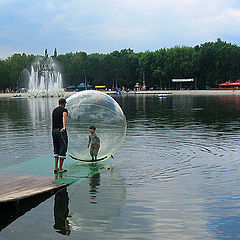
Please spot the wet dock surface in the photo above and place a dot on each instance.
(15, 188)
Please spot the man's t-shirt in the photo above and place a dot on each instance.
(57, 117)
(94, 138)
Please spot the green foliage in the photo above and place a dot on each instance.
(4, 74)
(210, 63)
(11, 70)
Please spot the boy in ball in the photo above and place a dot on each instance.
(94, 140)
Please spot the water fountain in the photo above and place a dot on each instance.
(45, 78)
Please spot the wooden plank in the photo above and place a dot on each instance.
(5, 180)
(13, 188)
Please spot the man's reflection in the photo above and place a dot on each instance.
(61, 212)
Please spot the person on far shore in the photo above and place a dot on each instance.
(94, 140)
(59, 135)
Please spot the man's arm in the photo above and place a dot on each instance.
(64, 122)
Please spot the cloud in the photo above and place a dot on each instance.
(106, 25)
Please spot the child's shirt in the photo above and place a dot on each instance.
(94, 138)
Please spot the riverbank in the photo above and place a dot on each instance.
(158, 92)
(187, 92)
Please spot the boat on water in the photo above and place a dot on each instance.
(164, 94)
(230, 85)
(17, 96)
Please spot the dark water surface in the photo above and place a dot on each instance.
(177, 174)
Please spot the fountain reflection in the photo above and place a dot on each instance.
(26, 126)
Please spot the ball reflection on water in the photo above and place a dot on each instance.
(88, 108)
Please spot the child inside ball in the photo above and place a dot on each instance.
(93, 142)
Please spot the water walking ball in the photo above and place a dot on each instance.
(94, 108)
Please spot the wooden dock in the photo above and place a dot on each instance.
(15, 188)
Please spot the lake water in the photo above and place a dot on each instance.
(176, 176)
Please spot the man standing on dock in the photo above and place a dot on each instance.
(59, 134)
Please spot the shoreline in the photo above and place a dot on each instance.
(157, 92)
(186, 92)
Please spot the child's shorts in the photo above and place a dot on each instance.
(94, 150)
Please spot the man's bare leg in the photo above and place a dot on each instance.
(56, 164)
(60, 165)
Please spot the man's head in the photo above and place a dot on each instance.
(62, 102)
(92, 129)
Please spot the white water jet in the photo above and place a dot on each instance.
(45, 78)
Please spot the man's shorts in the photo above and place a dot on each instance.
(94, 150)
(60, 143)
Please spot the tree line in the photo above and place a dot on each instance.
(209, 64)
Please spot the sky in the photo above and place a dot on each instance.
(103, 26)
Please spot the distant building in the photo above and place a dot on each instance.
(101, 88)
(137, 87)
(184, 83)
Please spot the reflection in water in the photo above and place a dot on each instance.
(180, 164)
(184, 153)
(27, 128)
(93, 205)
(11, 211)
(61, 212)
(94, 182)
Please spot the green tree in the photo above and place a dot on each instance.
(210, 63)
